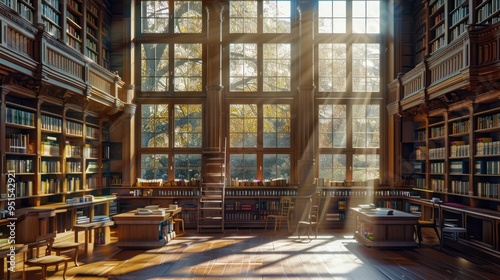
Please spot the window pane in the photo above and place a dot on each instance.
(188, 125)
(366, 67)
(332, 126)
(154, 166)
(277, 126)
(243, 67)
(188, 16)
(333, 167)
(365, 167)
(243, 125)
(187, 167)
(243, 166)
(154, 67)
(366, 126)
(276, 166)
(154, 125)
(366, 16)
(277, 67)
(243, 16)
(332, 64)
(332, 16)
(277, 16)
(188, 69)
(154, 16)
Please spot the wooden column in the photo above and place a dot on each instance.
(305, 101)
(214, 113)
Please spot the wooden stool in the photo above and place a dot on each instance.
(181, 224)
(66, 246)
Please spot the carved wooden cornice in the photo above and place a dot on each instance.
(23, 81)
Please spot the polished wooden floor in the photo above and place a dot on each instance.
(258, 254)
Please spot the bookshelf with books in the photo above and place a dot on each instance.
(414, 152)
(249, 206)
(73, 127)
(459, 17)
(74, 23)
(459, 151)
(420, 36)
(436, 152)
(52, 16)
(437, 25)
(111, 163)
(51, 149)
(487, 11)
(19, 163)
(91, 153)
(24, 8)
(92, 31)
(487, 152)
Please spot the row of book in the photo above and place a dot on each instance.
(488, 190)
(437, 153)
(18, 143)
(491, 167)
(459, 149)
(51, 123)
(19, 165)
(50, 166)
(335, 216)
(486, 146)
(459, 187)
(50, 147)
(460, 127)
(437, 185)
(20, 117)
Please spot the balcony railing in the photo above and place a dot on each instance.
(27, 49)
(470, 63)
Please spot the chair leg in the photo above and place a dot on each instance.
(265, 225)
(75, 256)
(64, 271)
(419, 235)
(437, 233)
(275, 226)
(44, 272)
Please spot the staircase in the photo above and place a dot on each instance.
(213, 184)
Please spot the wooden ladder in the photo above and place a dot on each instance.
(213, 185)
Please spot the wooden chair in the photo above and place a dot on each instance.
(427, 224)
(449, 228)
(311, 221)
(67, 246)
(48, 259)
(179, 225)
(283, 215)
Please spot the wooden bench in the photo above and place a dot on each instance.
(88, 229)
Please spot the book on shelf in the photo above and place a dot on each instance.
(18, 143)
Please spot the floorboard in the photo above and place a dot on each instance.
(259, 254)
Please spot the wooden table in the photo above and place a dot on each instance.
(144, 231)
(375, 228)
(88, 229)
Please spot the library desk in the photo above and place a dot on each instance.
(144, 231)
(375, 228)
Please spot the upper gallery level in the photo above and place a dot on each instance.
(60, 49)
(468, 66)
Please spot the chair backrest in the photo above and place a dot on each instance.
(285, 206)
(314, 208)
(47, 241)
